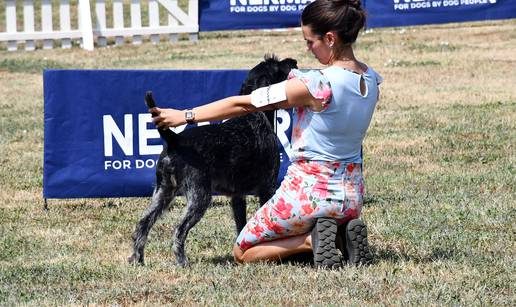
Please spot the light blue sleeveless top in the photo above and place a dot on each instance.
(335, 133)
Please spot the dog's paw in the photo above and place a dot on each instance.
(135, 260)
(182, 262)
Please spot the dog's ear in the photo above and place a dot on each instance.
(286, 65)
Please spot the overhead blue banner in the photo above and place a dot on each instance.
(249, 14)
(391, 13)
(99, 137)
(267, 14)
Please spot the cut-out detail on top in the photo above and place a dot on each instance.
(363, 86)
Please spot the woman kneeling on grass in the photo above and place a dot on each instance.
(317, 206)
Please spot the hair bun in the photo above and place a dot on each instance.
(356, 4)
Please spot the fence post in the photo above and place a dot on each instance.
(64, 22)
(172, 21)
(28, 23)
(193, 13)
(10, 15)
(100, 12)
(86, 25)
(118, 20)
(46, 20)
(154, 19)
(136, 20)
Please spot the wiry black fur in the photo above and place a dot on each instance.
(236, 158)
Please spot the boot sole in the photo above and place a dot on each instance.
(357, 246)
(325, 253)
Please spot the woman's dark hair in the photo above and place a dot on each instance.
(345, 17)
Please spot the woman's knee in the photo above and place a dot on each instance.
(238, 254)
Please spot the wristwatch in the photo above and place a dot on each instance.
(189, 116)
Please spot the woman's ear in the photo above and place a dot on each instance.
(330, 38)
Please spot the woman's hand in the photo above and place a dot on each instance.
(167, 118)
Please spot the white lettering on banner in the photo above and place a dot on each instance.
(419, 5)
(404, 5)
(263, 6)
(149, 163)
(282, 125)
(470, 2)
(237, 9)
(401, 6)
(117, 164)
(256, 9)
(125, 140)
(129, 164)
(450, 2)
(144, 134)
(267, 2)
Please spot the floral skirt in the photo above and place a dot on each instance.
(309, 190)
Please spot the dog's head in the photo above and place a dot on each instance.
(269, 71)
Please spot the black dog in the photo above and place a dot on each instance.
(235, 158)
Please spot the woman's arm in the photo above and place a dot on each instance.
(297, 95)
(217, 110)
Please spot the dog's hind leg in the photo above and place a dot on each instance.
(239, 207)
(161, 199)
(198, 198)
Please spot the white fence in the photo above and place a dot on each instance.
(93, 21)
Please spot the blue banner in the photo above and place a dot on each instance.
(99, 137)
(267, 14)
(391, 13)
(249, 14)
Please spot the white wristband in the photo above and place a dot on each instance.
(269, 95)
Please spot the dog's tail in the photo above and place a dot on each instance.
(166, 134)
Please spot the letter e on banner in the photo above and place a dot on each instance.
(125, 141)
(144, 134)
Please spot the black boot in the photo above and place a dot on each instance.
(354, 238)
(323, 243)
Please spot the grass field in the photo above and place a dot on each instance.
(440, 171)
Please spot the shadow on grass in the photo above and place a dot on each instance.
(379, 200)
(222, 260)
(299, 259)
(393, 256)
(84, 204)
(304, 259)
(389, 255)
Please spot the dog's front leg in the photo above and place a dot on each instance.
(161, 198)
